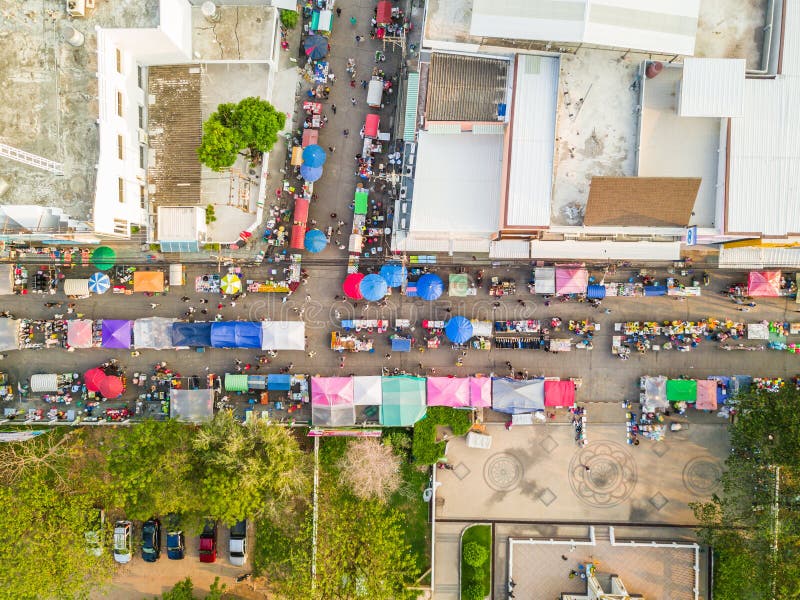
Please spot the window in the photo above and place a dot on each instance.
(142, 196)
(120, 147)
(140, 76)
(141, 117)
(121, 227)
(119, 60)
(121, 190)
(119, 103)
(142, 150)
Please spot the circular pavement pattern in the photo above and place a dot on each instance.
(701, 475)
(610, 478)
(503, 472)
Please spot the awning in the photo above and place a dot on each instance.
(6, 279)
(764, 283)
(193, 335)
(384, 13)
(153, 332)
(403, 400)
(371, 124)
(310, 136)
(116, 333)
(513, 397)
(325, 20)
(480, 392)
(192, 406)
(300, 215)
(367, 390)
(283, 335)
(79, 333)
(559, 394)
(361, 201)
(706, 395)
(44, 382)
(448, 391)
(148, 281)
(76, 287)
(236, 334)
(571, 280)
(355, 244)
(682, 390)
(544, 280)
(332, 401)
(236, 383)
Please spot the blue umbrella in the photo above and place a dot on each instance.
(315, 241)
(430, 286)
(310, 174)
(99, 283)
(314, 155)
(394, 274)
(316, 47)
(373, 287)
(458, 329)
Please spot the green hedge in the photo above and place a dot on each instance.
(425, 448)
(289, 18)
(476, 582)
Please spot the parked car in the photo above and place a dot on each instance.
(151, 540)
(238, 543)
(123, 549)
(176, 545)
(94, 532)
(208, 542)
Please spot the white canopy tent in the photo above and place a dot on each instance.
(193, 406)
(6, 279)
(44, 382)
(367, 390)
(76, 287)
(283, 335)
(153, 332)
(9, 334)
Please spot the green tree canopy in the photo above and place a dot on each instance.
(220, 146)
(184, 590)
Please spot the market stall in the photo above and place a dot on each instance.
(394, 274)
(458, 329)
(559, 393)
(207, 284)
(429, 287)
(513, 396)
(571, 280)
(9, 334)
(480, 391)
(76, 288)
(460, 286)
(191, 335)
(654, 396)
(153, 332)
(350, 343)
(373, 287)
(191, 406)
(448, 391)
(351, 286)
(283, 335)
(400, 343)
(367, 390)
(148, 281)
(544, 280)
(332, 401)
(706, 395)
(682, 390)
(322, 21)
(116, 333)
(361, 200)
(236, 334)
(764, 284)
(6, 279)
(177, 275)
(310, 136)
(403, 400)
(79, 333)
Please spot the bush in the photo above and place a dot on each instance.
(425, 448)
(475, 554)
(289, 18)
(210, 214)
(473, 591)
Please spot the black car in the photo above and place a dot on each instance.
(151, 540)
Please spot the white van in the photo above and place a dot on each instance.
(375, 92)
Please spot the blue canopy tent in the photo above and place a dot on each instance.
(195, 335)
(394, 274)
(315, 47)
(655, 290)
(596, 292)
(373, 287)
(430, 287)
(310, 174)
(315, 241)
(236, 334)
(401, 344)
(458, 329)
(314, 155)
(515, 397)
(279, 382)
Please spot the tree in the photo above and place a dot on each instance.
(184, 590)
(370, 469)
(289, 18)
(473, 591)
(248, 472)
(252, 124)
(475, 554)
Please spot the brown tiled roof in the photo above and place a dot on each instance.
(641, 201)
(465, 88)
(175, 127)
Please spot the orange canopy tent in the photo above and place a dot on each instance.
(148, 281)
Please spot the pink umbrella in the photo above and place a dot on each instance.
(351, 286)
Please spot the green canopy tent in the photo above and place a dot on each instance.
(104, 258)
(361, 201)
(682, 390)
(235, 383)
(459, 284)
(403, 400)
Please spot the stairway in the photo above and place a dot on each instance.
(33, 160)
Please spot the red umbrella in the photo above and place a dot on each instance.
(93, 378)
(111, 387)
(351, 286)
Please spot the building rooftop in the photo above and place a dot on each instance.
(240, 33)
(465, 88)
(641, 201)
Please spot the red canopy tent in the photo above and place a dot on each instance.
(111, 387)
(371, 126)
(92, 379)
(384, 14)
(310, 136)
(351, 286)
(300, 211)
(764, 283)
(297, 239)
(559, 393)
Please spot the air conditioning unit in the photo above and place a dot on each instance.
(403, 191)
(403, 224)
(142, 136)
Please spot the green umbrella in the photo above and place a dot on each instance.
(104, 258)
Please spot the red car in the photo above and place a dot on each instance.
(208, 543)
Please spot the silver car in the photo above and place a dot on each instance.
(123, 547)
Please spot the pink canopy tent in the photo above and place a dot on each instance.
(559, 393)
(571, 280)
(706, 395)
(332, 401)
(79, 333)
(448, 391)
(764, 283)
(480, 392)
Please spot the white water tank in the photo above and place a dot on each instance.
(72, 36)
(210, 12)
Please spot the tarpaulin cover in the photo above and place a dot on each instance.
(332, 401)
(300, 211)
(44, 382)
(681, 390)
(430, 286)
(373, 287)
(514, 397)
(297, 238)
(458, 285)
(706, 395)
(764, 283)
(279, 382)
(458, 329)
(723, 387)
(544, 280)
(76, 287)
(384, 14)
(371, 124)
(401, 344)
(111, 387)
(283, 335)
(79, 333)
(92, 379)
(367, 390)
(153, 332)
(394, 274)
(448, 391)
(236, 334)
(236, 383)
(194, 335)
(351, 286)
(655, 290)
(596, 292)
(6, 279)
(116, 333)
(480, 392)
(192, 406)
(314, 155)
(559, 393)
(571, 280)
(655, 394)
(315, 241)
(403, 400)
(361, 200)
(310, 136)
(148, 281)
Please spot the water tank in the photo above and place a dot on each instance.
(653, 68)
(210, 12)
(72, 36)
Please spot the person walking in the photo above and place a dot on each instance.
(353, 101)
(353, 21)
(363, 84)
(333, 108)
(358, 40)
(338, 11)
(332, 149)
(346, 132)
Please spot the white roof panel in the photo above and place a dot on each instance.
(530, 185)
(457, 183)
(510, 249)
(759, 258)
(712, 87)
(180, 223)
(606, 250)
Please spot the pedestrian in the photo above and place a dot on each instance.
(338, 11)
(219, 306)
(332, 149)
(388, 356)
(564, 557)
(204, 311)
(312, 354)
(353, 21)
(346, 132)
(185, 298)
(587, 468)
(358, 40)
(353, 101)
(353, 84)
(333, 108)
(233, 304)
(153, 305)
(308, 297)
(363, 84)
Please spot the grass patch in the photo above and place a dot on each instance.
(271, 549)
(476, 581)
(426, 450)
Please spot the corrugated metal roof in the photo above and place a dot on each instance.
(510, 249)
(759, 258)
(712, 87)
(465, 88)
(490, 128)
(791, 41)
(444, 128)
(412, 97)
(573, 249)
(179, 223)
(469, 245)
(530, 185)
(457, 183)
